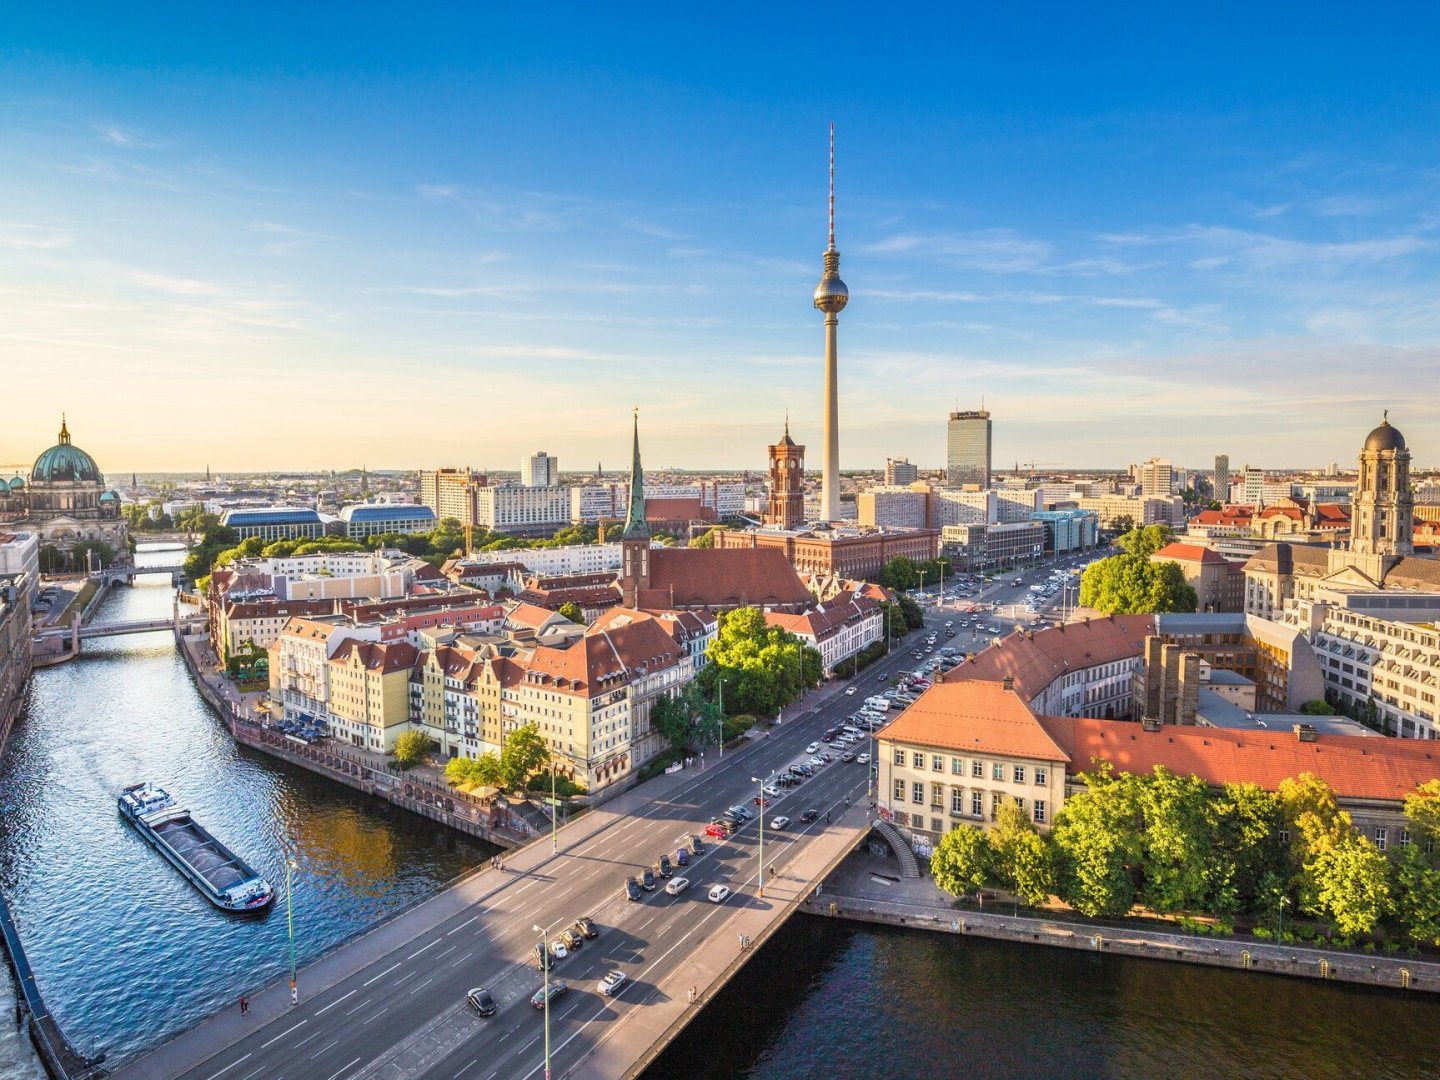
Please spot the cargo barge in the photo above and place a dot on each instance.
(224, 878)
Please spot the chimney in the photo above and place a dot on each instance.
(1150, 723)
(1009, 684)
(1306, 732)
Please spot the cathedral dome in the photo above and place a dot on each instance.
(65, 463)
(16, 483)
(1385, 437)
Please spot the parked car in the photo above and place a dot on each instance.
(571, 939)
(697, 845)
(718, 893)
(779, 821)
(812, 748)
(612, 982)
(761, 801)
(663, 867)
(675, 886)
(744, 812)
(481, 1001)
(559, 950)
(647, 879)
(542, 957)
(809, 816)
(718, 829)
(632, 889)
(545, 995)
(586, 928)
(847, 756)
(682, 856)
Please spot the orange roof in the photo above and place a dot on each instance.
(1189, 553)
(382, 657)
(1357, 767)
(976, 717)
(1037, 660)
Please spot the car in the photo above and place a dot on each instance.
(730, 819)
(542, 957)
(697, 844)
(779, 821)
(663, 867)
(559, 950)
(847, 756)
(816, 763)
(717, 829)
(675, 886)
(744, 812)
(809, 816)
(849, 691)
(863, 759)
(632, 889)
(647, 879)
(571, 939)
(827, 758)
(771, 791)
(612, 982)
(586, 929)
(761, 801)
(718, 893)
(481, 1001)
(882, 678)
(547, 994)
(812, 748)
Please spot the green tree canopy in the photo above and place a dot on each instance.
(1133, 585)
(1146, 540)
(1246, 863)
(960, 863)
(1422, 807)
(761, 667)
(1019, 858)
(571, 611)
(900, 574)
(1122, 524)
(484, 770)
(411, 747)
(523, 754)
(1098, 844)
(1175, 843)
(688, 720)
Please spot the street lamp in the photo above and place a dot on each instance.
(544, 932)
(554, 811)
(290, 865)
(763, 806)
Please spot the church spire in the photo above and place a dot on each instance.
(64, 432)
(636, 527)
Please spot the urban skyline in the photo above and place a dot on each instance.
(1023, 242)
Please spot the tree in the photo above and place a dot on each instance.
(761, 667)
(688, 719)
(1415, 893)
(1122, 524)
(1354, 881)
(1019, 856)
(1422, 807)
(411, 747)
(483, 771)
(1147, 540)
(1317, 707)
(707, 538)
(524, 753)
(1247, 865)
(1175, 843)
(1097, 844)
(913, 613)
(571, 611)
(960, 863)
(1313, 818)
(1133, 585)
(899, 574)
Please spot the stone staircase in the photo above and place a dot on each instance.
(909, 865)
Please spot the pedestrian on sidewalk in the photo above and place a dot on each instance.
(244, 1004)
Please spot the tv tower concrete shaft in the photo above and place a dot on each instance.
(831, 296)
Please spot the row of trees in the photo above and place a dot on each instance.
(523, 755)
(901, 574)
(1131, 583)
(1173, 844)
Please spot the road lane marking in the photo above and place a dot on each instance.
(417, 952)
(420, 986)
(462, 926)
(404, 979)
(253, 1073)
(357, 1008)
(307, 1038)
(227, 1068)
(337, 1072)
(382, 974)
(377, 1016)
(282, 1034)
(322, 1050)
(463, 1071)
(447, 952)
(460, 960)
(337, 1001)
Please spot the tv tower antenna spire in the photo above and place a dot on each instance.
(832, 186)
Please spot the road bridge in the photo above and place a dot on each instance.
(391, 1004)
(128, 574)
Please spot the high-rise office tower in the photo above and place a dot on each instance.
(831, 296)
(1156, 478)
(967, 449)
(539, 470)
(900, 471)
(1222, 477)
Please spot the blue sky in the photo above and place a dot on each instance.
(344, 236)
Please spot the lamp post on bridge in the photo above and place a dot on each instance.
(544, 932)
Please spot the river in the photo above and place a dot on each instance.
(127, 953)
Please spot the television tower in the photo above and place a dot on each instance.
(831, 295)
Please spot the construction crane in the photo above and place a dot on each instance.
(1033, 465)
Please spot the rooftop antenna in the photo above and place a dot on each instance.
(832, 186)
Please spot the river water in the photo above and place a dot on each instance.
(127, 953)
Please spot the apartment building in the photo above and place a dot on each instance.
(513, 508)
(837, 629)
(450, 493)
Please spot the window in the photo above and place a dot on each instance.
(919, 760)
(1284, 836)
(899, 757)
(936, 825)
(899, 790)
(957, 766)
(1038, 813)
(917, 792)
(1042, 776)
(1404, 837)
(957, 801)
(937, 796)
(937, 763)
(1019, 774)
(997, 771)
(995, 800)
(977, 770)
(1380, 837)
(977, 804)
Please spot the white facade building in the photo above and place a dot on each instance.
(539, 470)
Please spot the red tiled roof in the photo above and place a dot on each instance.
(1189, 553)
(382, 657)
(722, 578)
(1037, 660)
(1357, 767)
(977, 716)
(600, 661)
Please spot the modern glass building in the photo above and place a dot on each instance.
(967, 448)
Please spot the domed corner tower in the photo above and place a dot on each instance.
(1382, 514)
(66, 502)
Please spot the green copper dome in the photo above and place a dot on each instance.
(65, 463)
(16, 483)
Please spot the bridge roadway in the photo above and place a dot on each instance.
(391, 1004)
